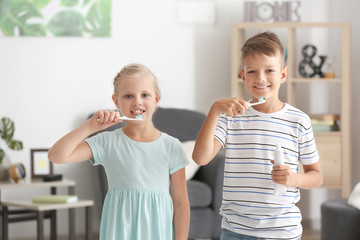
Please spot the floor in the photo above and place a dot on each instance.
(77, 237)
(307, 235)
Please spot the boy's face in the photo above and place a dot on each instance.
(136, 95)
(263, 75)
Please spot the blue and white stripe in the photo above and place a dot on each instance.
(249, 205)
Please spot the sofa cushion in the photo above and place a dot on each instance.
(200, 194)
(354, 198)
(192, 167)
(182, 124)
(339, 220)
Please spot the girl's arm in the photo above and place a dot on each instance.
(206, 146)
(71, 147)
(181, 204)
(311, 178)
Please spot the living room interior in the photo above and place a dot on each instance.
(50, 85)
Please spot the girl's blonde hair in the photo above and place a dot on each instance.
(135, 70)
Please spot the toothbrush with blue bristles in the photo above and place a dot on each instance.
(261, 101)
(137, 118)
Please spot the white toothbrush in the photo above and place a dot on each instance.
(261, 100)
(138, 118)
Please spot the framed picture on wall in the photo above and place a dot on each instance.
(40, 163)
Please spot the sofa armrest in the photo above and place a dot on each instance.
(213, 175)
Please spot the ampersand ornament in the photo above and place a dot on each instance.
(307, 67)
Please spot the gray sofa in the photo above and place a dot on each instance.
(205, 188)
(339, 220)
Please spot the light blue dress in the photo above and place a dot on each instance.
(138, 204)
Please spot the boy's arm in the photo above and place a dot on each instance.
(311, 178)
(206, 146)
(71, 147)
(181, 204)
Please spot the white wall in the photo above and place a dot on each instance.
(349, 11)
(48, 86)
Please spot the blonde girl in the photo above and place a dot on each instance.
(141, 163)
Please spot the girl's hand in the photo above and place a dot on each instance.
(103, 119)
(282, 174)
(230, 106)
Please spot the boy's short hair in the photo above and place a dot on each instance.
(266, 43)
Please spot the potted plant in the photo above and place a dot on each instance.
(7, 129)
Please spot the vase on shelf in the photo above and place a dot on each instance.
(329, 68)
(4, 168)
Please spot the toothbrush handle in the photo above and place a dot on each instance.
(125, 118)
(261, 101)
(255, 103)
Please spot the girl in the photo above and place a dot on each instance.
(138, 160)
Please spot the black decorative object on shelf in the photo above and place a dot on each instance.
(309, 51)
(52, 177)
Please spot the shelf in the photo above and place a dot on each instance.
(306, 80)
(36, 183)
(328, 134)
(293, 25)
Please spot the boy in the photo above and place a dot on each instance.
(249, 134)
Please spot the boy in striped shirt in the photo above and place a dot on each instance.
(249, 135)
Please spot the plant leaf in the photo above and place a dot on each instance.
(86, 2)
(39, 4)
(98, 18)
(4, 9)
(2, 155)
(69, 3)
(67, 23)
(7, 129)
(15, 145)
(23, 16)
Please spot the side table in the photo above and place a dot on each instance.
(41, 208)
(27, 215)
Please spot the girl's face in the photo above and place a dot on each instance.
(263, 76)
(136, 95)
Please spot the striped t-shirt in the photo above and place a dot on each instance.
(249, 205)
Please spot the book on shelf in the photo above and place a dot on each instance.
(324, 128)
(325, 117)
(324, 123)
(55, 199)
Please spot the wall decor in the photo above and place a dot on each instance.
(17, 172)
(265, 11)
(40, 163)
(58, 18)
(307, 67)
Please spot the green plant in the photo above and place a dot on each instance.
(65, 18)
(7, 129)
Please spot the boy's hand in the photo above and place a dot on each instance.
(230, 106)
(283, 174)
